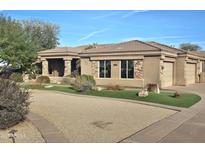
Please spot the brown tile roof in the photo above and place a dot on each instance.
(134, 45)
(73, 51)
(166, 47)
(197, 53)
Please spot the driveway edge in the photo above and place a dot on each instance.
(48, 131)
(118, 99)
(159, 130)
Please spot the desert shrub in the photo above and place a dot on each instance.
(31, 76)
(176, 94)
(14, 103)
(84, 83)
(114, 87)
(152, 87)
(67, 81)
(33, 71)
(43, 79)
(75, 73)
(17, 77)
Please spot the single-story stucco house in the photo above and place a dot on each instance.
(130, 64)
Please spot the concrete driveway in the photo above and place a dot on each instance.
(185, 126)
(192, 130)
(94, 119)
(198, 88)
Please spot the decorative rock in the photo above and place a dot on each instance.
(98, 88)
(48, 86)
(157, 90)
(25, 77)
(143, 93)
(153, 87)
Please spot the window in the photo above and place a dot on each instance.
(105, 69)
(127, 69)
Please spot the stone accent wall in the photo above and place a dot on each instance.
(138, 69)
(67, 68)
(203, 66)
(94, 68)
(161, 75)
(44, 67)
(198, 70)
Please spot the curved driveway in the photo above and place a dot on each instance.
(94, 119)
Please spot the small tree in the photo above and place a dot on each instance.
(189, 47)
(20, 41)
(44, 34)
(17, 50)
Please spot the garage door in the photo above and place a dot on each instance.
(168, 74)
(190, 73)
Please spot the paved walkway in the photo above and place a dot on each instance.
(185, 126)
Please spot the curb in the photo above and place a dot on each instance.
(48, 131)
(156, 132)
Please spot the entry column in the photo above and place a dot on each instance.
(67, 67)
(45, 67)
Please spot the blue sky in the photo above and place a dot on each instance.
(87, 27)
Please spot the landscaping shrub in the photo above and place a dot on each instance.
(14, 103)
(43, 79)
(114, 87)
(17, 77)
(84, 83)
(176, 94)
(67, 81)
(31, 76)
(152, 87)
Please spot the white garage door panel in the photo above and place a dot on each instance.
(168, 74)
(190, 73)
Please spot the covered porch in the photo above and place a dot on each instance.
(59, 67)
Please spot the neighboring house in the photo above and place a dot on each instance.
(128, 64)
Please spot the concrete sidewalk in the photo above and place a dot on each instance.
(185, 126)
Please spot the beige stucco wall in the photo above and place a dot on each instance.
(115, 75)
(151, 69)
(121, 82)
(163, 61)
(180, 71)
(181, 67)
(203, 66)
(85, 66)
(115, 67)
(116, 79)
(202, 77)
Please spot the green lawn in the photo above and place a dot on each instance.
(184, 100)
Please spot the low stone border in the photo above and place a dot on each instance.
(49, 132)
